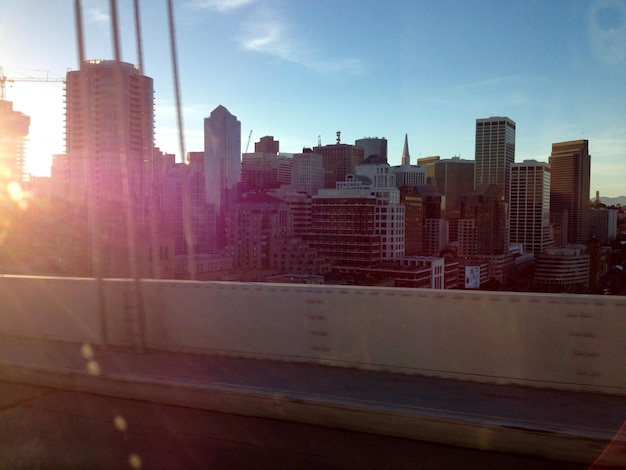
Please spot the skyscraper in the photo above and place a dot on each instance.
(110, 115)
(495, 153)
(454, 178)
(407, 174)
(109, 141)
(222, 164)
(570, 164)
(529, 205)
(406, 156)
(14, 127)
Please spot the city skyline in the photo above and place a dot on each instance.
(298, 71)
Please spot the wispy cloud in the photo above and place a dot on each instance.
(269, 34)
(96, 15)
(266, 32)
(507, 79)
(222, 5)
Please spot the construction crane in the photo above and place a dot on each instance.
(248, 144)
(4, 80)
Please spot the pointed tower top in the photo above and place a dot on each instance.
(406, 158)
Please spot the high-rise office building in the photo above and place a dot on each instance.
(428, 163)
(413, 220)
(187, 217)
(603, 225)
(361, 222)
(435, 229)
(482, 223)
(344, 227)
(222, 165)
(307, 172)
(390, 212)
(495, 153)
(570, 165)
(529, 205)
(373, 146)
(454, 177)
(338, 160)
(109, 141)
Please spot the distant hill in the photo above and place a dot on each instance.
(612, 201)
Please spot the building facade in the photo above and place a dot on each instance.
(454, 177)
(562, 269)
(428, 163)
(307, 172)
(257, 223)
(435, 236)
(344, 227)
(267, 144)
(603, 225)
(14, 127)
(222, 163)
(482, 226)
(407, 174)
(373, 146)
(338, 160)
(529, 205)
(390, 214)
(570, 165)
(494, 153)
(109, 141)
(261, 171)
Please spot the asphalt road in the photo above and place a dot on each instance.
(47, 428)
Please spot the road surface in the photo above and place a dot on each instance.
(47, 428)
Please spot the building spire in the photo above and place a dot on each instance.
(406, 158)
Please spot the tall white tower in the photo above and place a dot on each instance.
(529, 205)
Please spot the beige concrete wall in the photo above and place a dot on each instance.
(570, 342)
(533, 339)
(53, 308)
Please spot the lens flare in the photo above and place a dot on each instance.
(17, 194)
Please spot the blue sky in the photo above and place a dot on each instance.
(299, 69)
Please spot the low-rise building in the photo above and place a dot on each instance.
(562, 269)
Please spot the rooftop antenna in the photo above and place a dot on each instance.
(319, 140)
(338, 137)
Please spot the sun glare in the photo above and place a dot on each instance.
(43, 103)
(17, 194)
